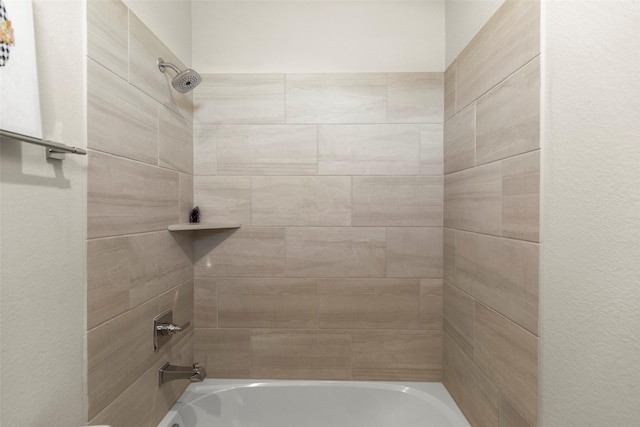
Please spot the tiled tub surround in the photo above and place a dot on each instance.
(139, 181)
(337, 180)
(491, 220)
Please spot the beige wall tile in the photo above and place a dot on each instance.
(205, 149)
(186, 198)
(355, 252)
(450, 91)
(144, 403)
(158, 262)
(267, 150)
(175, 138)
(119, 114)
(369, 303)
(119, 351)
(431, 304)
(508, 116)
(144, 50)
(301, 201)
(128, 197)
(460, 141)
(476, 396)
(107, 279)
(268, 303)
(107, 34)
(205, 290)
(336, 98)
(223, 199)
(431, 150)
(246, 252)
(398, 201)
(225, 353)
(510, 38)
(397, 355)
(309, 354)
(369, 149)
(414, 252)
(472, 199)
(240, 98)
(508, 355)
(459, 309)
(415, 97)
(521, 197)
(509, 416)
(502, 273)
(449, 252)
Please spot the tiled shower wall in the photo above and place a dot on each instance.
(337, 180)
(139, 182)
(491, 219)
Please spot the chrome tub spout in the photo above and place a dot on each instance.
(169, 372)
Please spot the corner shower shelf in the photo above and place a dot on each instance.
(201, 226)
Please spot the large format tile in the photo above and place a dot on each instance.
(472, 199)
(431, 150)
(144, 50)
(225, 353)
(186, 198)
(127, 197)
(223, 199)
(502, 273)
(507, 41)
(336, 98)
(205, 304)
(121, 120)
(414, 252)
(239, 98)
(508, 355)
(509, 416)
(415, 97)
(246, 252)
(521, 197)
(459, 309)
(450, 91)
(508, 116)
(301, 201)
(158, 262)
(313, 354)
(398, 201)
(267, 150)
(175, 141)
(205, 149)
(107, 34)
(369, 149)
(107, 279)
(459, 141)
(449, 255)
(335, 252)
(431, 304)
(477, 397)
(268, 303)
(397, 355)
(369, 303)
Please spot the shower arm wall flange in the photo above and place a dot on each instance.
(162, 65)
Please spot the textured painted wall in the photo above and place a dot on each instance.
(591, 215)
(42, 285)
(318, 36)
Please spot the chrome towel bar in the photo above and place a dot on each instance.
(55, 150)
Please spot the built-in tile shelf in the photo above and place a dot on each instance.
(193, 227)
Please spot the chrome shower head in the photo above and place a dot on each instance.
(185, 81)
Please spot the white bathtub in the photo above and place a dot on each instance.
(251, 403)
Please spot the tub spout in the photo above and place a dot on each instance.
(169, 372)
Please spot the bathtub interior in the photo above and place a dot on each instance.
(245, 403)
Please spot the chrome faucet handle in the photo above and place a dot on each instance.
(170, 328)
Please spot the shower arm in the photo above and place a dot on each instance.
(162, 65)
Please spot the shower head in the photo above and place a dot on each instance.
(184, 81)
